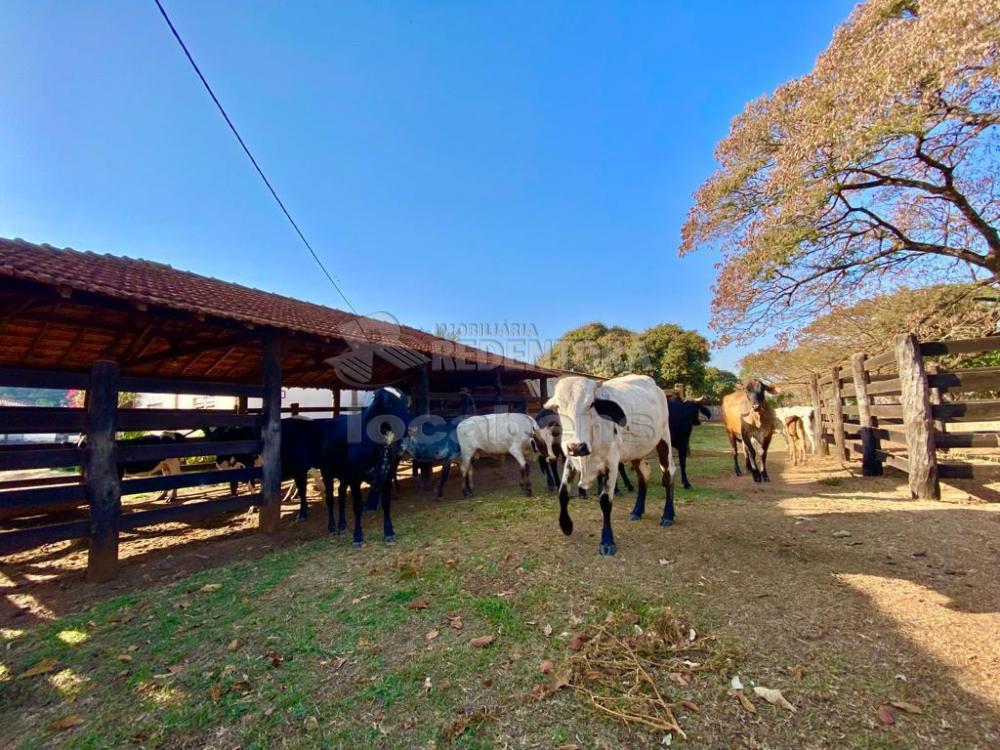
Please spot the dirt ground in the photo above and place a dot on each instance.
(838, 589)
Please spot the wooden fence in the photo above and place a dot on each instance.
(897, 408)
(97, 486)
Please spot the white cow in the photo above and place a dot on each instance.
(496, 435)
(621, 420)
(805, 413)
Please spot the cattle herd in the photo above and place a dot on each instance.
(594, 429)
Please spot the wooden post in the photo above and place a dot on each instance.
(917, 419)
(336, 402)
(837, 394)
(819, 444)
(421, 392)
(871, 466)
(100, 469)
(242, 405)
(270, 454)
(295, 408)
(543, 389)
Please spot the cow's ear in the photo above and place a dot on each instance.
(610, 410)
(551, 405)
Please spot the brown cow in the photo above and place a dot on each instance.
(749, 418)
(795, 439)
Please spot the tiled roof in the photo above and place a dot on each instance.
(156, 284)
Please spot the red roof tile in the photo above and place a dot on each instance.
(157, 284)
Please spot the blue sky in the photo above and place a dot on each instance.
(452, 162)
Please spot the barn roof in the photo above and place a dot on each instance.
(63, 308)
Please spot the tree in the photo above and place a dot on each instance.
(939, 312)
(717, 383)
(877, 169)
(666, 352)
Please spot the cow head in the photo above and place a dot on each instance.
(387, 416)
(548, 437)
(756, 390)
(585, 414)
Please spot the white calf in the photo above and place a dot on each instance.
(496, 435)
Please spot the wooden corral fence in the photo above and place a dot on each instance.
(902, 407)
(97, 486)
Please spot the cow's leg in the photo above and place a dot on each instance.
(468, 486)
(374, 497)
(356, 505)
(751, 456)
(732, 445)
(666, 456)
(545, 467)
(608, 546)
(341, 506)
(302, 486)
(387, 530)
(445, 471)
(642, 479)
(623, 475)
(331, 525)
(565, 522)
(524, 467)
(763, 458)
(682, 454)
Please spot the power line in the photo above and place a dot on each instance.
(253, 161)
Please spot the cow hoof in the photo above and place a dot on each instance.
(357, 545)
(666, 522)
(390, 538)
(608, 549)
(581, 493)
(301, 518)
(332, 530)
(756, 477)
(465, 493)
(566, 524)
(765, 477)
(635, 517)
(687, 486)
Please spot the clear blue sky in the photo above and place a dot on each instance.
(451, 161)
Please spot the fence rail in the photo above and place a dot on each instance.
(890, 409)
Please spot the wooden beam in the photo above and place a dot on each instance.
(819, 444)
(175, 352)
(915, 396)
(870, 465)
(101, 487)
(837, 402)
(270, 509)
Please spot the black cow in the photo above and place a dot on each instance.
(432, 440)
(683, 418)
(350, 448)
(549, 454)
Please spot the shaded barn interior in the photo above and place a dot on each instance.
(107, 324)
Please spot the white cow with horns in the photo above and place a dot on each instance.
(621, 420)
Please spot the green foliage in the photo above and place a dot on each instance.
(34, 396)
(667, 353)
(717, 383)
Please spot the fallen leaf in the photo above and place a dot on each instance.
(45, 665)
(409, 723)
(577, 641)
(910, 708)
(67, 722)
(338, 663)
(546, 666)
(419, 604)
(274, 658)
(841, 534)
(210, 587)
(215, 691)
(547, 630)
(798, 671)
(233, 645)
(691, 706)
(456, 623)
(885, 716)
(432, 634)
(125, 657)
(427, 685)
(665, 561)
(736, 683)
(311, 724)
(482, 641)
(774, 697)
(744, 701)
